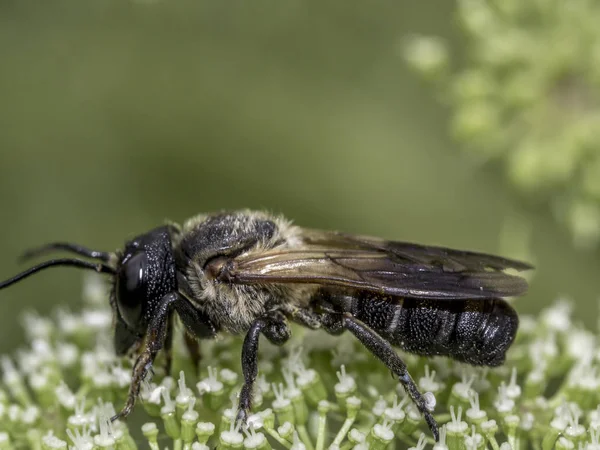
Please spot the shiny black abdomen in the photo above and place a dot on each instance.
(477, 332)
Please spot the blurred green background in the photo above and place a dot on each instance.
(116, 115)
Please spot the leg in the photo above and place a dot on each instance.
(196, 322)
(169, 346)
(193, 347)
(383, 350)
(275, 328)
(155, 338)
(198, 326)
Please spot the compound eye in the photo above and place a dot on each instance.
(131, 289)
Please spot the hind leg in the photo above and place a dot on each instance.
(383, 350)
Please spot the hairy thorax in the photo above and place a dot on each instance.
(220, 237)
(233, 307)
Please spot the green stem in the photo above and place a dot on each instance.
(271, 432)
(343, 431)
(304, 437)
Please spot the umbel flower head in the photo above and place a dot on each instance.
(528, 94)
(61, 388)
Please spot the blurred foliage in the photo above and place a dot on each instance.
(528, 93)
(116, 115)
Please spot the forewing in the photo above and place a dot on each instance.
(392, 268)
(450, 260)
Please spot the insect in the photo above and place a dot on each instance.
(252, 272)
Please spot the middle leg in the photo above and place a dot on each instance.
(275, 328)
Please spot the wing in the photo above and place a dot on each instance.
(385, 267)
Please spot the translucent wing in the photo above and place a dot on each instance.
(386, 267)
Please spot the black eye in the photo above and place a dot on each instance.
(131, 289)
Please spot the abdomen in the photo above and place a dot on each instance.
(477, 332)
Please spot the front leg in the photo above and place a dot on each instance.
(198, 326)
(275, 328)
(155, 339)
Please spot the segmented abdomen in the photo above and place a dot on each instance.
(477, 332)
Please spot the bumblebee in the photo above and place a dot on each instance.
(251, 273)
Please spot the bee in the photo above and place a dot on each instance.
(251, 273)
